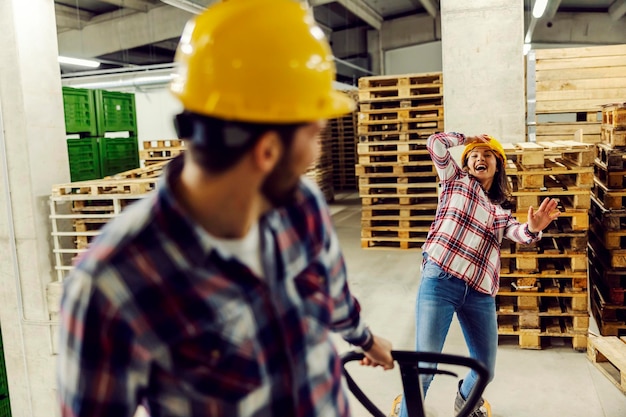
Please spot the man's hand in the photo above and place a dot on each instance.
(379, 354)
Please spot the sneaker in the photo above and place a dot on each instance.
(395, 406)
(483, 409)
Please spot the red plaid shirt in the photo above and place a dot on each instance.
(464, 240)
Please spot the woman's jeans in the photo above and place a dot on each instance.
(440, 295)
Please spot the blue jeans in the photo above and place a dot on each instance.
(440, 295)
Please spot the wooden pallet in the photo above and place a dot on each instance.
(584, 132)
(611, 179)
(151, 171)
(609, 198)
(613, 159)
(605, 309)
(555, 244)
(608, 355)
(536, 339)
(417, 137)
(552, 174)
(528, 261)
(387, 169)
(392, 243)
(398, 200)
(392, 81)
(575, 198)
(402, 158)
(399, 103)
(612, 136)
(428, 113)
(534, 155)
(92, 188)
(614, 115)
(558, 280)
(421, 127)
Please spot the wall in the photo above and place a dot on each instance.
(414, 59)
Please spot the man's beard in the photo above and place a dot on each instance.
(281, 185)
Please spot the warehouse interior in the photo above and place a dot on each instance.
(473, 67)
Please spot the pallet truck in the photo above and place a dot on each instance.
(411, 367)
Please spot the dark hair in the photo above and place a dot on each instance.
(500, 191)
(217, 144)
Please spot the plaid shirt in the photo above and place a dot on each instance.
(464, 240)
(154, 315)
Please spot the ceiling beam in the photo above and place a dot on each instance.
(617, 9)
(123, 33)
(364, 12)
(139, 5)
(315, 3)
(431, 6)
(70, 17)
(551, 10)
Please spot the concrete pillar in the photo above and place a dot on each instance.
(483, 67)
(33, 156)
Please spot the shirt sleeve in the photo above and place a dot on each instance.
(438, 146)
(519, 233)
(346, 312)
(95, 376)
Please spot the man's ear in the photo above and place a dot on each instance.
(267, 151)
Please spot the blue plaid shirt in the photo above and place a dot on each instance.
(152, 314)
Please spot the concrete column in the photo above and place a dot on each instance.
(33, 156)
(483, 67)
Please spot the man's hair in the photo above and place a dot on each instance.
(217, 145)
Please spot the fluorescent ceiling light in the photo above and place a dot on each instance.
(186, 5)
(540, 8)
(128, 82)
(79, 62)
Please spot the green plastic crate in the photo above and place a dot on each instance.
(118, 155)
(5, 407)
(115, 111)
(80, 111)
(84, 157)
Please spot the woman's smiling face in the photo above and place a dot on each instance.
(482, 164)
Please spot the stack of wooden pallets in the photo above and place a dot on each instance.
(321, 170)
(573, 83)
(156, 151)
(398, 183)
(543, 288)
(79, 210)
(607, 249)
(344, 139)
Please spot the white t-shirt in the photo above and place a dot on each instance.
(246, 250)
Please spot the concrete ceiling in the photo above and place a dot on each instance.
(126, 33)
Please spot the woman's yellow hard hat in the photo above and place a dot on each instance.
(258, 61)
(492, 143)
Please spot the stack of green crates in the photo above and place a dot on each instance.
(91, 114)
(5, 405)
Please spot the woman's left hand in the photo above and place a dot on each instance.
(540, 219)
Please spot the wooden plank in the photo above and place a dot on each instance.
(565, 106)
(588, 128)
(586, 51)
(581, 74)
(608, 354)
(583, 84)
(587, 62)
(608, 94)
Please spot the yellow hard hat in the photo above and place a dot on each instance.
(258, 61)
(492, 143)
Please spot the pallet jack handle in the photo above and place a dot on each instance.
(410, 370)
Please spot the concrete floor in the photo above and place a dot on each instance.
(557, 381)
